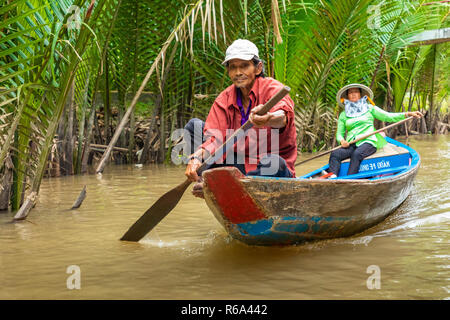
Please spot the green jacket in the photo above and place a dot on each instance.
(364, 124)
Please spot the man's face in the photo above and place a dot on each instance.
(243, 72)
(353, 94)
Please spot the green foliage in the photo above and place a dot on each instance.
(40, 56)
(140, 29)
(144, 110)
(315, 47)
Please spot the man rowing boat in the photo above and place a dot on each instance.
(270, 149)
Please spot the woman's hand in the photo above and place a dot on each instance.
(415, 114)
(344, 143)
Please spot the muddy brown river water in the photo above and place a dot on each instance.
(190, 256)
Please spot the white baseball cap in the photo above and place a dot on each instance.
(241, 49)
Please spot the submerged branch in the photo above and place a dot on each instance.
(80, 199)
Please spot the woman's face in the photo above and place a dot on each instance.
(353, 94)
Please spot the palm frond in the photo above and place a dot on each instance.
(48, 77)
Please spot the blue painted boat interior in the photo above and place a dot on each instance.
(376, 168)
(370, 169)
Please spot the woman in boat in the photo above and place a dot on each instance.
(357, 119)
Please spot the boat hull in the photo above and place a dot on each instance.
(283, 211)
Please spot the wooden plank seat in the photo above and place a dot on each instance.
(388, 150)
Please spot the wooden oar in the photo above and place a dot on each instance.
(354, 141)
(169, 200)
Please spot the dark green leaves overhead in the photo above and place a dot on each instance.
(40, 57)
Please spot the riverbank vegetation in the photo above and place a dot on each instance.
(86, 81)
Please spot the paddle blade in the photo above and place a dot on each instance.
(156, 213)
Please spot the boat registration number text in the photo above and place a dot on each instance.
(374, 166)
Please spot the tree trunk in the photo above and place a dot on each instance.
(406, 124)
(68, 146)
(5, 184)
(107, 106)
(26, 206)
(431, 97)
(131, 138)
(423, 126)
(87, 141)
(123, 135)
(122, 124)
(162, 134)
(171, 143)
(377, 67)
(98, 131)
(149, 135)
(61, 138)
(144, 156)
(81, 135)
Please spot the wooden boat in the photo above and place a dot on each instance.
(282, 211)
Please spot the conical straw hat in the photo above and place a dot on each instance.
(365, 91)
